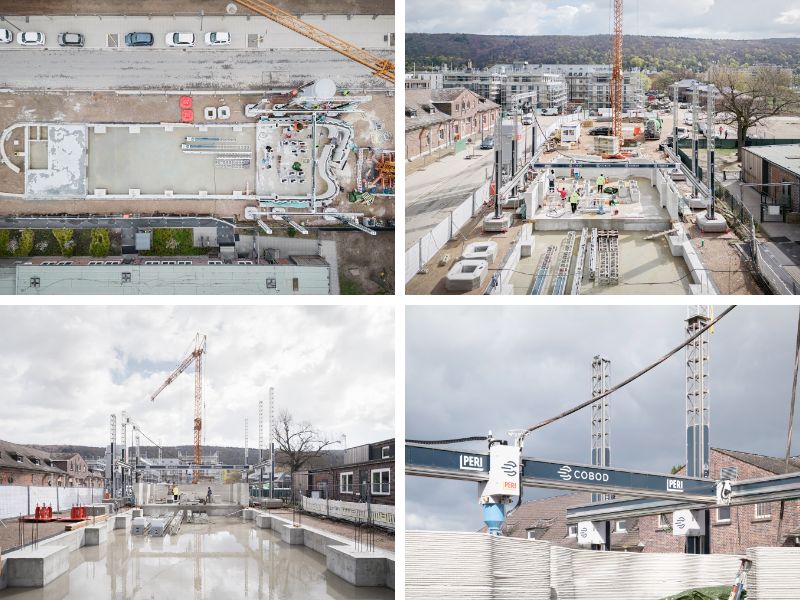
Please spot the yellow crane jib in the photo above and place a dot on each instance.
(382, 68)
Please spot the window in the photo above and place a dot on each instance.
(386, 452)
(346, 483)
(724, 514)
(531, 534)
(35, 282)
(19, 458)
(621, 528)
(729, 473)
(126, 277)
(664, 521)
(572, 531)
(295, 284)
(272, 283)
(380, 482)
(762, 510)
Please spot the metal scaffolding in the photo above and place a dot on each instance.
(601, 450)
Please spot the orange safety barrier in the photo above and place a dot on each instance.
(187, 115)
(186, 102)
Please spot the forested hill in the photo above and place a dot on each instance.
(455, 49)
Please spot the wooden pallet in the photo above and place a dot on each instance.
(80, 524)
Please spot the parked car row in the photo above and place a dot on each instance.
(133, 39)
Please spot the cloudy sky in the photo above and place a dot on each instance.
(743, 19)
(471, 370)
(65, 369)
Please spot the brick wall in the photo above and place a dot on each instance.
(743, 530)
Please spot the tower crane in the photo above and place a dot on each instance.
(382, 68)
(196, 357)
(616, 73)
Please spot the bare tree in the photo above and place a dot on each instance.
(299, 442)
(750, 96)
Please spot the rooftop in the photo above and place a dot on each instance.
(785, 156)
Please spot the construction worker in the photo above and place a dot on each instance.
(574, 198)
(175, 492)
(551, 178)
(563, 193)
(601, 181)
(208, 495)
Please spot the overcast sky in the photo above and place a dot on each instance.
(469, 370)
(742, 19)
(63, 370)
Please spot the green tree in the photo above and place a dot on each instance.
(100, 244)
(65, 241)
(25, 243)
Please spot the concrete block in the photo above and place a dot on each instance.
(263, 521)
(289, 533)
(319, 542)
(493, 225)
(137, 512)
(466, 275)
(390, 573)
(716, 225)
(36, 567)
(362, 569)
(97, 510)
(481, 251)
(138, 526)
(248, 514)
(123, 521)
(94, 535)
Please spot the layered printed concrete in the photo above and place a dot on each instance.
(63, 174)
(361, 569)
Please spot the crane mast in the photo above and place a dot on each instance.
(195, 357)
(382, 68)
(616, 73)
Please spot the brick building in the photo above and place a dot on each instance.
(440, 119)
(22, 465)
(733, 529)
(367, 475)
(778, 166)
(78, 473)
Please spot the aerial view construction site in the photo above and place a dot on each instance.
(206, 147)
(194, 472)
(600, 471)
(574, 156)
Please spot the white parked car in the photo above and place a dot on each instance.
(218, 38)
(6, 37)
(178, 38)
(30, 38)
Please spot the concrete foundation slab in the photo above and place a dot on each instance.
(94, 535)
(362, 569)
(36, 568)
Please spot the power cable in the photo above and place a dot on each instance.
(633, 377)
(474, 438)
(792, 402)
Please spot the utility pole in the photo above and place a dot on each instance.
(260, 445)
(111, 466)
(271, 442)
(695, 133)
(498, 164)
(675, 117)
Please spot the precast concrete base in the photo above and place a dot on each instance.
(289, 533)
(248, 514)
(466, 275)
(492, 224)
(97, 510)
(481, 251)
(36, 567)
(263, 521)
(122, 521)
(137, 512)
(715, 225)
(95, 535)
(357, 568)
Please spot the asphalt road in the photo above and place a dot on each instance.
(178, 69)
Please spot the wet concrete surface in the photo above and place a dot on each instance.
(224, 559)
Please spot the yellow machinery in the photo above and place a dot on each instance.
(380, 67)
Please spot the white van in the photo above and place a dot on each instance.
(549, 112)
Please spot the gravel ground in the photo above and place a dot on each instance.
(382, 539)
(731, 271)
(9, 531)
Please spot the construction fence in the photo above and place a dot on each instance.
(453, 566)
(380, 514)
(21, 500)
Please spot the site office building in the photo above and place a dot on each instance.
(366, 475)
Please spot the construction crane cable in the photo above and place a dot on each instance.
(633, 377)
(474, 438)
(792, 401)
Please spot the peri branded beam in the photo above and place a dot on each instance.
(751, 491)
(428, 461)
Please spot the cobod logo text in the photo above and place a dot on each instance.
(568, 474)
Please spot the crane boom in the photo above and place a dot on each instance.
(195, 357)
(380, 67)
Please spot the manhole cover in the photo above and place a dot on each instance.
(231, 8)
